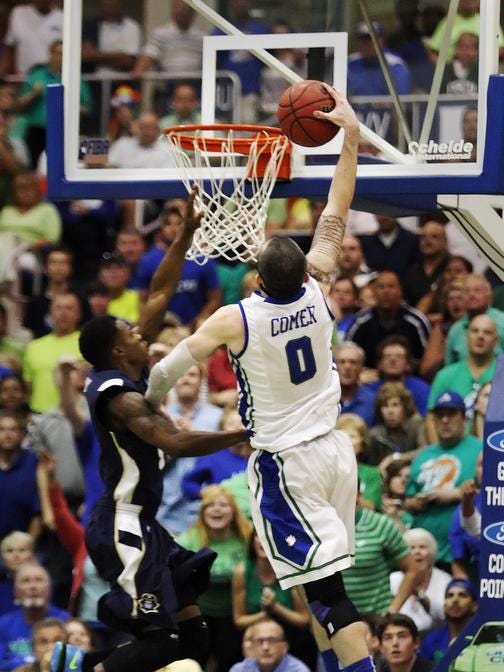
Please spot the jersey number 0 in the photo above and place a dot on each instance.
(300, 359)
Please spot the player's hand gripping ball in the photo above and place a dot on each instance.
(295, 113)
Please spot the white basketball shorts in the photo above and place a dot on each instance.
(303, 506)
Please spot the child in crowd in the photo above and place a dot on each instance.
(395, 481)
(400, 430)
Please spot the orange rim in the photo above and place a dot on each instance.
(263, 136)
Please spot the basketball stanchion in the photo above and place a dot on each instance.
(252, 158)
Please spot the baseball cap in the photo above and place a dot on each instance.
(362, 29)
(465, 584)
(112, 258)
(450, 399)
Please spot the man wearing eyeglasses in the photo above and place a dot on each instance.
(268, 651)
(438, 471)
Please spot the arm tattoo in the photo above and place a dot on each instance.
(326, 248)
(320, 276)
(329, 234)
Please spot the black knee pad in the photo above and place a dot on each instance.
(330, 604)
(194, 639)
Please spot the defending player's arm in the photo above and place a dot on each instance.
(224, 327)
(130, 410)
(166, 278)
(326, 246)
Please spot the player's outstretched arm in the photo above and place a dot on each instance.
(167, 276)
(326, 246)
(132, 411)
(224, 327)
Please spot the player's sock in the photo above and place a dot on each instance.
(330, 660)
(363, 665)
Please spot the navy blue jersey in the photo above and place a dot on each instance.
(131, 469)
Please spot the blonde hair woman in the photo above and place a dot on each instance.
(221, 526)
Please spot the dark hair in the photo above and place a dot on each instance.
(112, 258)
(17, 417)
(96, 340)
(394, 339)
(373, 621)
(468, 264)
(97, 288)
(62, 249)
(282, 266)
(355, 289)
(19, 379)
(438, 217)
(394, 469)
(400, 620)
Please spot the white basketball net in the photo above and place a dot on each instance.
(234, 217)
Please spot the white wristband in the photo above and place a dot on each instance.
(167, 371)
(471, 524)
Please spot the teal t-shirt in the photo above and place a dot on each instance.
(438, 467)
(456, 341)
(230, 279)
(36, 113)
(216, 600)
(458, 378)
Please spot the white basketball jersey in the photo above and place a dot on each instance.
(289, 387)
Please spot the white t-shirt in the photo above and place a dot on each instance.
(424, 620)
(32, 34)
(128, 153)
(289, 386)
(174, 50)
(123, 36)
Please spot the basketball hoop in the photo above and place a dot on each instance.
(214, 156)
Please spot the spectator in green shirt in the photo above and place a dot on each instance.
(467, 376)
(478, 294)
(379, 546)
(439, 470)
(33, 96)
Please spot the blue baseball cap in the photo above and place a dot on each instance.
(450, 399)
(362, 29)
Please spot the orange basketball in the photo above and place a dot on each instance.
(295, 113)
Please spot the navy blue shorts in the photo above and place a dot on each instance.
(151, 576)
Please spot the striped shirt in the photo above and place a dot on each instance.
(379, 544)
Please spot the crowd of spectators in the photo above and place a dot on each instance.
(418, 329)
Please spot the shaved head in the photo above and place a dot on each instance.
(282, 266)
